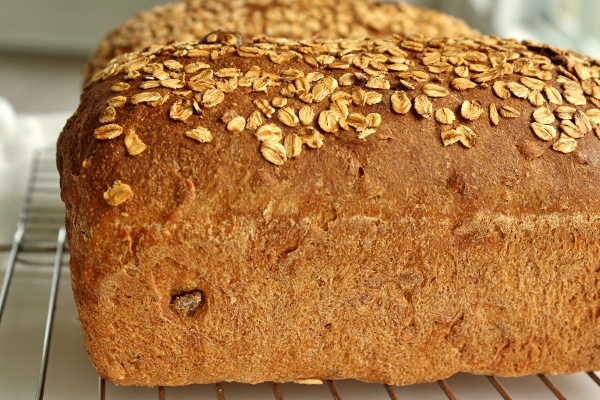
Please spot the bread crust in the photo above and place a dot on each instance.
(193, 19)
(393, 248)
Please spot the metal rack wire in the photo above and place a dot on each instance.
(39, 241)
(41, 218)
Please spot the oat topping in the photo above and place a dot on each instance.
(136, 64)
(509, 112)
(400, 102)
(570, 129)
(328, 121)
(109, 114)
(118, 194)
(269, 132)
(467, 136)
(293, 145)
(565, 144)
(320, 92)
(255, 120)
(574, 97)
(517, 89)
(365, 133)
(306, 115)
(236, 124)
(357, 121)
(173, 65)
(264, 106)
(212, 97)
(200, 134)
(471, 110)
(354, 86)
(149, 85)
(273, 151)
(377, 82)
(501, 89)
(433, 90)
(544, 132)
(228, 72)
(172, 83)
(565, 112)
(593, 115)
(407, 85)
(133, 143)
(462, 71)
(288, 117)
(553, 95)
(461, 133)
(533, 83)
(373, 120)
(109, 131)
(494, 116)
(120, 87)
(194, 67)
(572, 87)
(536, 98)
(463, 83)
(445, 116)
(117, 101)
(543, 115)
(423, 106)
(181, 110)
(419, 76)
(450, 137)
(279, 102)
(146, 97)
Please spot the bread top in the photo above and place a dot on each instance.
(278, 129)
(193, 19)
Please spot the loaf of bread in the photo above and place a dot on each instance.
(187, 20)
(389, 210)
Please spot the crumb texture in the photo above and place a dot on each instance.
(391, 210)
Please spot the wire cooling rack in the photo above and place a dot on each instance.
(39, 248)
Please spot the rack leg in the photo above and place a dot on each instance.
(60, 245)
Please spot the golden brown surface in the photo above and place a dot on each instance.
(392, 211)
(303, 19)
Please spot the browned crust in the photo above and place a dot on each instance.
(388, 258)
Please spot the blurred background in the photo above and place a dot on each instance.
(44, 43)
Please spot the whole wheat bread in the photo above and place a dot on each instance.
(391, 210)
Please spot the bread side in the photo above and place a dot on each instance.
(389, 210)
(193, 19)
